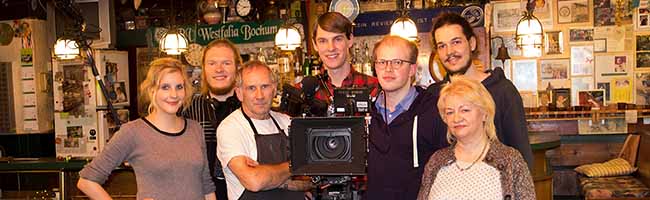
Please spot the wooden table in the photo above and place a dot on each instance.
(542, 172)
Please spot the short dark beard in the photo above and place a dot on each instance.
(460, 71)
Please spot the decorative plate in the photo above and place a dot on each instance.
(194, 55)
(349, 8)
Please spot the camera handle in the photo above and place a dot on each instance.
(334, 188)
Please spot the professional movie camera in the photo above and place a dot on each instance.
(301, 102)
(331, 151)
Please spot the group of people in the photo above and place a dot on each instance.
(462, 138)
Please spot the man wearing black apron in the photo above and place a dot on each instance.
(253, 144)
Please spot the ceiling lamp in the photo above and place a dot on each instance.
(288, 38)
(174, 42)
(529, 33)
(66, 49)
(404, 26)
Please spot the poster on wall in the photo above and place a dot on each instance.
(603, 13)
(506, 16)
(642, 19)
(524, 74)
(576, 11)
(612, 65)
(554, 43)
(621, 88)
(582, 60)
(554, 69)
(615, 37)
(581, 35)
(642, 82)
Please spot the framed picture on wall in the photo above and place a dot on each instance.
(554, 69)
(581, 35)
(561, 98)
(582, 60)
(506, 16)
(643, 42)
(600, 45)
(575, 11)
(554, 43)
(643, 18)
(643, 59)
(524, 74)
(591, 98)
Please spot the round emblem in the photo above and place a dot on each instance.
(194, 54)
(473, 15)
(6, 34)
(565, 11)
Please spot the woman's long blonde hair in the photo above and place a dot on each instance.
(149, 86)
(472, 91)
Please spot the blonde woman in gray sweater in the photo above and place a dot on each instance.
(167, 152)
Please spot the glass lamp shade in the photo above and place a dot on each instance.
(529, 35)
(173, 43)
(404, 27)
(66, 49)
(288, 38)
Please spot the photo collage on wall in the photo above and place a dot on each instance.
(595, 53)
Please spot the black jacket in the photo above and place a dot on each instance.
(509, 118)
(391, 173)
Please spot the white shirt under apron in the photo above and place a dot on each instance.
(481, 181)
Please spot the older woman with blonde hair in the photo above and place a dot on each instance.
(166, 151)
(476, 165)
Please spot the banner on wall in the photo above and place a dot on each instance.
(379, 23)
(238, 32)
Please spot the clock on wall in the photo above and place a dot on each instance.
(349, 8)
(245, 9)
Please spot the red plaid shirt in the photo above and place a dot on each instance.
(353, 80)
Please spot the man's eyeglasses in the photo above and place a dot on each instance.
(394, 63)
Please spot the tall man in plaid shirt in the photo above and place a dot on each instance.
(332, 37)
(217, 100)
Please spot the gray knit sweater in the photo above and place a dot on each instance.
(166, 166)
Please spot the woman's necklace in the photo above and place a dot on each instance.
(475, 161)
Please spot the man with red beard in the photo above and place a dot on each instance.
(332, 37)
(456, 45)
(405, 128)
(217, 100)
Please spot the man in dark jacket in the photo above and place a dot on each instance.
(455, 44)
(405, 128)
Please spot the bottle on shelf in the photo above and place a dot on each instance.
(367, 60)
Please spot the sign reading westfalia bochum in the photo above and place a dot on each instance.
(237, 32)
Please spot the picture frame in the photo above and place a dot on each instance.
(643, 42)
(554, 42)
(561, 98)
(524, 74)
(642, 20)
(592, 98)
(642, 83)
(553, 69)
(506, 16)
(581, 35)
(575, 11)
(543, 98)
(582, 60)
(606, 87)
(600, 45)
(578, 84)
(643, 60)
